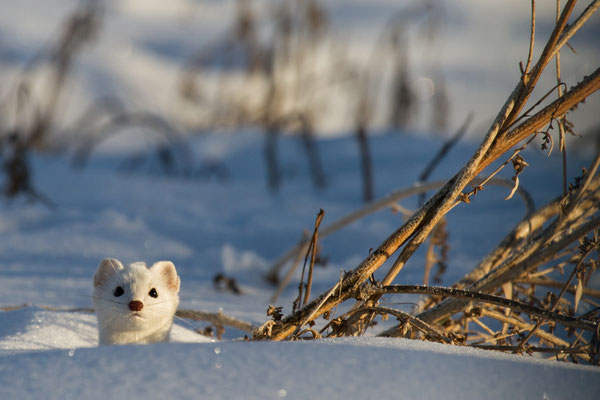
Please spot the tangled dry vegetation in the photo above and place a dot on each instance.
(503, 303)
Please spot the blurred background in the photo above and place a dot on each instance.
(330, 67)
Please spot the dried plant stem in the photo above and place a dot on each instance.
(579, 351)
(485, 312)
(561, 125)
(509, 159)
(524, 230)
(575, 26)
(536, 253)
(555, 302)
(440, 204)
(309, 316)
(528, 82)
(505, 118)
(586, 184)
(556, 109)
(555, 284)
(482, 297)
(313, 255)
(498, 140)
(429, 261)
(422, 326)
(217, 319)
(365, 162)
(485, 328)
(531, 39)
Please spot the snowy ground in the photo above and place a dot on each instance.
(338, 369)
(236, 226)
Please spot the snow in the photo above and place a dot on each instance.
(68, 365)
(33, 328)
(345, 368)
(236, 226)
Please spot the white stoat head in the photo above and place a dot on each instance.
(133, 303)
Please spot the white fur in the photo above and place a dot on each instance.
(117, 323)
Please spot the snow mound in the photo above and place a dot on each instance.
(354, 368)
(33, 328)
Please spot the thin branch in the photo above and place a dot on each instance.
(535, 253)
(482, 297)
(556, 109)
(555, 284)
(527, 83)
(575, 26)
(523, 230)
(561, 125)
(218, 319)
(314, 252)
(531, 39)
(485, 312)
(424, 327)
(557, 299)
(309, 316)
(580, 350)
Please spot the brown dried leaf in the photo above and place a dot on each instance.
(514, 189)
(578, 293)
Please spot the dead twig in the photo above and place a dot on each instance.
(579, 350)
(312, 258)
(217, 319)
(477, 296)
(555, 284)
(557, 299)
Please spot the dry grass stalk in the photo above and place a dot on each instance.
(566, 320)
(313, 252)
(217, 319)
(538, 251)
(555, 302)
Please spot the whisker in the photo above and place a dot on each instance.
(105, 299)
(186, 322)
(109, 322)
(162, 302)
(106, 308)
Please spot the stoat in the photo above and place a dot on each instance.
(133, 303)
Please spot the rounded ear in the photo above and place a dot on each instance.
(107, 267)
(168, 273)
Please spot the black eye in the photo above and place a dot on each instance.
(153, 293)
(118, 291)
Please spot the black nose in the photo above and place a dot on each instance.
(136, 305)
